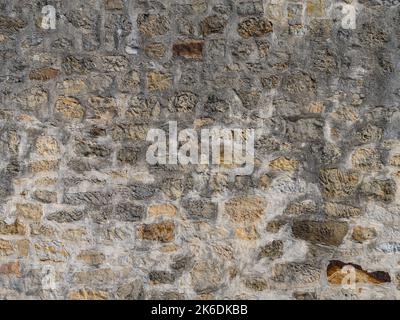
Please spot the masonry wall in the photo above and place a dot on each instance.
(84, 216)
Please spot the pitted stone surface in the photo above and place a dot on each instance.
(84, 216)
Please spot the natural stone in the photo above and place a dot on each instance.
(189, 49)
(254, 27)
(213, 24)
(206, 276)
(153, 24)
(158, 81)
(341, 211)
(45, 196)
(366, 159)
(88, 294)
(47, 146)
(44, 165)
(337, 183)
(43, 74)
(248, 233)
(155, 50)
(272, 250)
(162, 231)
(91, 257)
(362, 234)
(29, 211)
(166, 209)
(285, 164)
(380, 190)
(129, 212)
(6, 248)
(69, 108)
(320, 232)
(11, 268)
(338, 272)
(198, 209)
(15, 228)
(245, 209)
(161, 277)
(65, 216)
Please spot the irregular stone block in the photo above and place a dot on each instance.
(337, 274)
(320, 232)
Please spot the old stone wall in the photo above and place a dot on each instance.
(83, 215)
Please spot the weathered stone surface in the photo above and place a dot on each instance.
(245, 209)
(66, 216)
(45, 196)
(189, 49)
(161, 277)
(69, 108)
(380, 190)
(155, 50)
(320, 232)
(11, 268)
(162, 210)
(47, 146)
(158, 81)
(82, 208)
(272, 250)
(91, 198)
(88, 294)
(51, 251)
(337, 271)
(91, 257)
(213, 24)
(337, 183)
(163, 231)
(153, 24)
(206, 276)
(341, 211)
(362, 234)
(43, 74)
(15, 228)
(29, 211)
(254, 27)
(6, 248)
(294, 274)
(129, 212)
(200, 209)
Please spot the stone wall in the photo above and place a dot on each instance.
(84, 216)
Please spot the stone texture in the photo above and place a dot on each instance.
(78, 195)
(163, 231)
(245, 209)
(320, 232)
(190, 49)
(336, 274)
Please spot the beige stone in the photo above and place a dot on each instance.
(165, 209)
(6, 247)
(29, 211)
(69, 108)
(362, 234)
(88, 294)
(245, 209)
(47, 146)
(158, 81)
(91, 257)
(285, 164)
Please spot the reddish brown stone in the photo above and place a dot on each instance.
(336, 274)
(11, 268)
(190, 49)
(163, 231)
